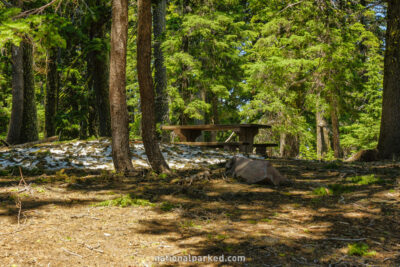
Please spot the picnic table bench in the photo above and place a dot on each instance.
(188, 134)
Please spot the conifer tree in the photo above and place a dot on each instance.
(389, 138)
(150, 142)
(118, 107)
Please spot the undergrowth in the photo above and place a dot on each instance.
(125, 201)
(360, 249)
(365, 180)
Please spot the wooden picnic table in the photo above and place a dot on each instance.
(246, 132)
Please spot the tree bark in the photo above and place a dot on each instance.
(93, 114)
(323, 143)
(101, 90)
(51, 93)
(29, 130)
(98, 67)
(150, 142)
(118, 107)
(215, 115)
(184, 118)
(14, 129)
(160, 73)
(337, 150)
(289, 145)
(389, 138)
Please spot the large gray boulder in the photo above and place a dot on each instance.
(253, 170)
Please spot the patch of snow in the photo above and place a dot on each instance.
(97, 155)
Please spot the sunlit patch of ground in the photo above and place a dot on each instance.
(65, 221)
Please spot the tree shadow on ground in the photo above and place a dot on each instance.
(288, 226)
(281, 225)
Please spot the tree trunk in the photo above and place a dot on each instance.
(323, 143)
(202, 95)
(150, 143)
(215, 116)
(160, 73)
(98, 65)
(93, 120)
(14, 129)
(84, 125)
(289, 145)
(101, 90)
(29, 130)
(51, 93)
(335, 130)
(389, 138)
(118, 107)
(184, 119)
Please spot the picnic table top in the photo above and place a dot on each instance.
(213, 126)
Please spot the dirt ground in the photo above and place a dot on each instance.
(64, 219)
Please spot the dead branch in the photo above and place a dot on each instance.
(13, 232)
(22, 177)
(46, 140)
(340, 260)
(5, 143)
(289, 6)
(88, 7)
(34, 11)
(72, 253)
(93, 248)
(19, 207)
(345, 239)
(230, 137)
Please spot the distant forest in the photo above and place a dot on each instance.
(313, 69)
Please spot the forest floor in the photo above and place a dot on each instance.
(332, 214)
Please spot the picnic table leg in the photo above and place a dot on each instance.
(247, 135)
(187, 135)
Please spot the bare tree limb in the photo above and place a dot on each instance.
(34, 11)
(230, 137)
(345, 239)
(6, 3)
(72, 253)
(289, 6)
(88, 7)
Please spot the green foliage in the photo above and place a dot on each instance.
(125, 201)
(333, 165)
(322, 191)
(365, 180)
(208, 72)
(188, 224)
(11, 31)
(166, 206)
(333, 189)
(43, 29)
(163, 176)
(229, 61)
(339, 189)
(360, 249)
(304, 60)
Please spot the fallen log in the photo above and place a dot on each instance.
(45, 140)
(365, 155)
